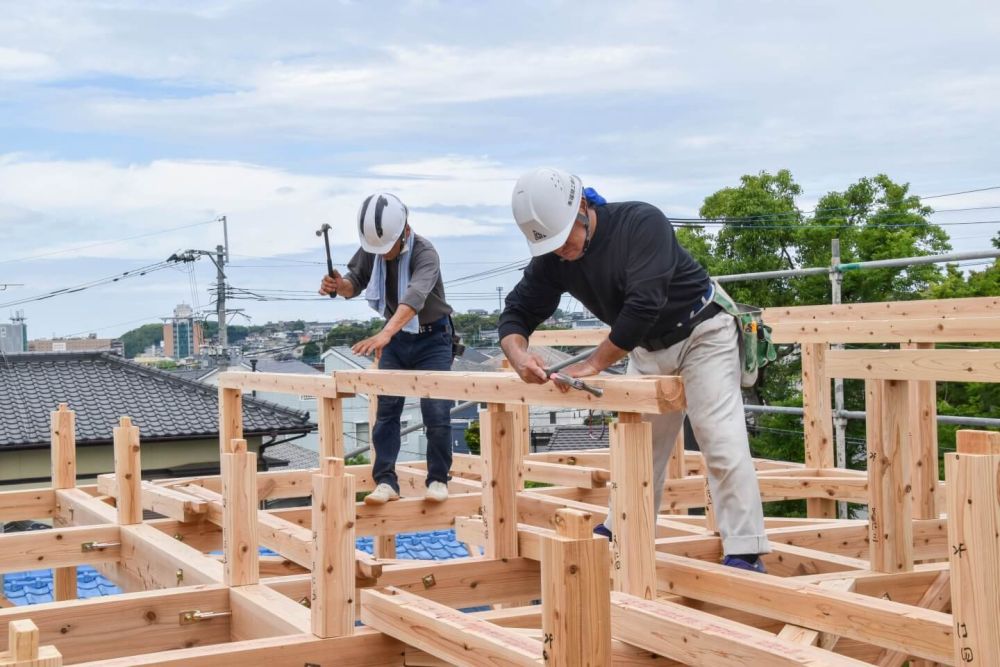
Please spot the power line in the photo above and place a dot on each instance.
(100, 243)
(963, 192)
(131, 273)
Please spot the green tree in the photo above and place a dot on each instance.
(310, 352)
(764, 230)
(472, 437)
(137, 340)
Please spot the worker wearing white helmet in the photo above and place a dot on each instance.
(623, 262)
(400, 274)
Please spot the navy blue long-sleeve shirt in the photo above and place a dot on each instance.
(635, 277)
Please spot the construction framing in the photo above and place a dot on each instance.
(918, 581)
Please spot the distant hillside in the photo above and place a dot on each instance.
(137, 340)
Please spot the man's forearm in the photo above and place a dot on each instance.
(399, 319)
(607, 354)
(513, 345)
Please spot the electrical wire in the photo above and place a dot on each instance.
(131, 273)
(100, 243)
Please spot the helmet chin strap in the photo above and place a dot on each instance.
(586, 228)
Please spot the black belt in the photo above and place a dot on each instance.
(683, 331)
(437, 325)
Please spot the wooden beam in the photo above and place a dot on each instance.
(582, 477)
(239, 515)
(58, 548)
(695, 637)
(501, 480)
(333, 566)
(936, 597)
(444, 632)
(888, 438)
(365, 649)
(569, 337)
(170, 502)
(923, 633)
(104, 628)
(968, 441)
(886, 310)
(929, 365)
(924, 440)
(260, 612)
(575, 593)
(925, 330)
(160, 561)
(320, 386)
(230, 413)
(650, 394)
(31, 504)
(974, 537)
(817, 422)
(632, 506)
(128, 472)
(330, 418)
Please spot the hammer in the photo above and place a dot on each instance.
(324, 232)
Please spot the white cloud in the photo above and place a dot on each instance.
(270, 211)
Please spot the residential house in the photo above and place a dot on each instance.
(178, 419)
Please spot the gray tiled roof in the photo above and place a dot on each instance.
(298, 458)
(579, 437)
(102, 387)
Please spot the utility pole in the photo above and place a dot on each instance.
(839, 420)
(220, 257)
(499, 299)
(220, 301)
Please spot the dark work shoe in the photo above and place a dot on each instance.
(602, 530)
(741, 563)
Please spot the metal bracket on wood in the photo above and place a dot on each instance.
(429, 581)
(195, 615)
(87, 547)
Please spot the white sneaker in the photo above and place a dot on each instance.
(437, 492)
(382, 494)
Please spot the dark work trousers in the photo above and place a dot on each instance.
(430, 351)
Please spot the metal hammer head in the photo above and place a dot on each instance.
(321, 230)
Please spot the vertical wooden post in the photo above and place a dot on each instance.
(502, 473)
(331, 427)
(128, 472)
(889, 513)
(383, 546)
(333, 513)
(372, 416)
(522, 422)
(675, 467)
(710, 522)
(632, 544)
(923, 429)
(576, 594)
(968, 441)
(239, 515)
(230, 416)
(23, 648)
(818, 422)
(63, 432)
(973, 499)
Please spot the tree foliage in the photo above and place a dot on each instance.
(764, 229)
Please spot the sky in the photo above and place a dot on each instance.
(127, 129)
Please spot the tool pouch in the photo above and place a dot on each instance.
(457, 347)
(755, 346)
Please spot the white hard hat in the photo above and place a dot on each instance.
(380, 222)
(545, 204)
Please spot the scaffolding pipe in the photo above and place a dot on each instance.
(985, 422)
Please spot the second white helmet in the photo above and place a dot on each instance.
(381, 221)
(545, 205)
